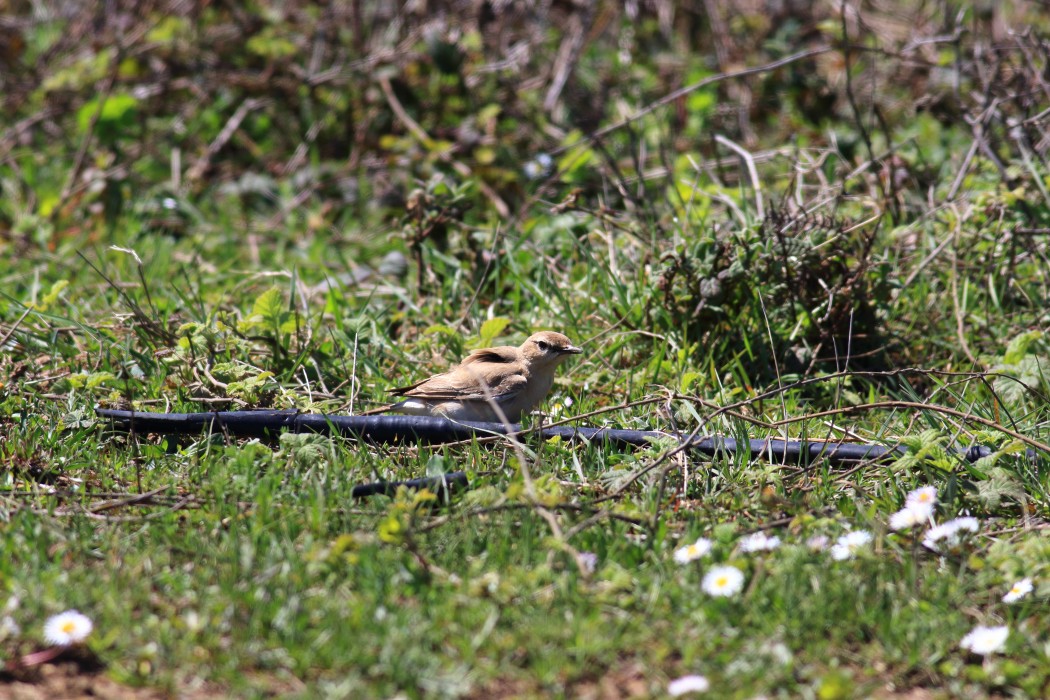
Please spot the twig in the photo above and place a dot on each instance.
(857, 117)
(178, 505)
(861, 408)
(128, 501)
(960, 320)
(926, 261)
(965, 167)
(232, 124)
(421, 135)
(568, 55)
(681, 92)
(751, 171)
(731, 409)
(14, 327)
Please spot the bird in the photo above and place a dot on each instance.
(490, 385)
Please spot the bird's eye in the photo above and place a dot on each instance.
(544, 345)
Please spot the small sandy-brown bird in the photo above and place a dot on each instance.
(514, 379)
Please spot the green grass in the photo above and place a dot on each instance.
(254, 557)
(245, 568)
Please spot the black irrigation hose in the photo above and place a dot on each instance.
(392, 429)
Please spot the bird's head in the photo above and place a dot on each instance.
(548, 348)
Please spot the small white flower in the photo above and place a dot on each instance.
(193, 621)
(911, 515)
(538, 166)
(846, 547)
(692, 552)
(9, 628)
(67, 628)
(985, 640)
(818, 543)
(588, 561)
(688, 684)
(1018, 590)
(951, 532)
(759, 542)
(840, 552)
(925, 496)
(724, 581)
(560, 406)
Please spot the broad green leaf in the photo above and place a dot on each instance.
(116, 110)
(268, 308)
(491, 329)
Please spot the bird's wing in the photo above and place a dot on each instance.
(403, 390)
(459, 383)
(510, 388)
(463, 384)
(500, 356)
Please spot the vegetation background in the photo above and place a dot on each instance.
(817, 219)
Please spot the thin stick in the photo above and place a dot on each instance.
(14, 328)
(424, 138)
(681, 92)
(752, 172)
(228, 130)
(845, 410)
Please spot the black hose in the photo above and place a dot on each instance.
(444, 485)
(393, 429)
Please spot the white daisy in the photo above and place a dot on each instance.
(925, 496)
(67, 628)
(818, 543)
(846, 547)
(724, 581)
(758, 542)
(1018, 590)
(688, 684)
(692, 552)
(911, 515)
(952, 532)
(985, 640)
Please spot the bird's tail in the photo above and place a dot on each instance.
(374, 411)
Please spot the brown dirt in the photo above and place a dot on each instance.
(78, 673)
(67, 680)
